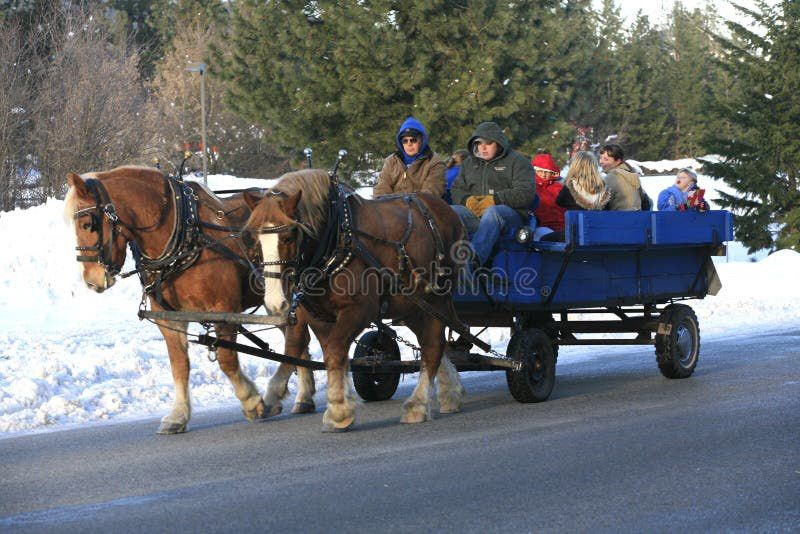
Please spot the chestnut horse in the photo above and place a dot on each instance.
(160, 219)
(382, 256)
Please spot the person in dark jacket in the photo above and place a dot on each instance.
(413, 167)
(494, 189)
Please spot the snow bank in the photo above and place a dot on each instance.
(669, 166)
(69, 356)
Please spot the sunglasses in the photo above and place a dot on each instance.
(409, 140)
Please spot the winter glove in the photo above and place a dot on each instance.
(478, 204)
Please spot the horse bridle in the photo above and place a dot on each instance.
(296, 224)
(103, 208)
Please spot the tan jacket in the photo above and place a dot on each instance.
(624, 185)
(426, 175)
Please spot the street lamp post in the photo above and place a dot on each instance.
(201, 68)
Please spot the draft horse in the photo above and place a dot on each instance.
(344, 262)
(189, 255)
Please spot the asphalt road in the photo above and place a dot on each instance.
(616, 448)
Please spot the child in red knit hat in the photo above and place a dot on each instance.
(549, 215)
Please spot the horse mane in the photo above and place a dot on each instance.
(313, 206)
(129, 172)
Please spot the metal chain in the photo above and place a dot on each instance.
(395, 336)
(415, 349)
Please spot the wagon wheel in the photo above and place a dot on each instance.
(677, 341)
(376, 386)
(535, 381)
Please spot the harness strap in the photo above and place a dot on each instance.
(451, 321)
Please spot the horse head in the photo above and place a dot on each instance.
(100, 243)
(273, 219)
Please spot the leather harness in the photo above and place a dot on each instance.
(321, 257)
(181, 251)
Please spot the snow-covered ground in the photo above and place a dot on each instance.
(70, 357)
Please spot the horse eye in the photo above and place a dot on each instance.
(86, 226)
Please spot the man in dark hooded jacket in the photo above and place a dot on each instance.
(494, 189)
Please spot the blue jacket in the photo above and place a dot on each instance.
(450, 176)
(412, 124)
(670, 198)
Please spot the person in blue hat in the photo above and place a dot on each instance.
(413, 167)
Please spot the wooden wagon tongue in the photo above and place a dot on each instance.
(213, 317)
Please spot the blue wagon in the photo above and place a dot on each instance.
(633, 266)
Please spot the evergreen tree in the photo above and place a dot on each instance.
(691, 75)
(603, 112)
(640, 99)
(762, 160)
(346, 73)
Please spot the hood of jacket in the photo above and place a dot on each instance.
(411, 123)
(587, 200)
(626, 173)
(489, 130)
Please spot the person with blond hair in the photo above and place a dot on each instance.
(584, 189)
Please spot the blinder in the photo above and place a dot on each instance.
(296, 224)
(103, 208)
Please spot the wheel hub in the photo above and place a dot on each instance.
(684, 345)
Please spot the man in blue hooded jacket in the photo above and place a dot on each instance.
(494, 189)
(413, 167)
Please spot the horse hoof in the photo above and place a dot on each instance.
(449, 409)
(272, 410)
(331, 429)
(166, 429)
(414, 416)
(339, 426)
(256, 413)
(304, 407)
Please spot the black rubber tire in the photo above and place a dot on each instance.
(535, 381)
(376, 386)
(678, 351)
(544, 322)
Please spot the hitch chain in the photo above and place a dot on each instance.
(417, 350)
(212, 347)
(396, 337)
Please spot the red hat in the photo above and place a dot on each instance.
(545, 161)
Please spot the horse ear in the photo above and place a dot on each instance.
(77, 183)
(252, 198)
(290, 204)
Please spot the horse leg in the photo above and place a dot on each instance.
(177, 347)
(245, 390)
(430, 335)
(340, 413)
(304, 401)
(296, 344)
(451, 391)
